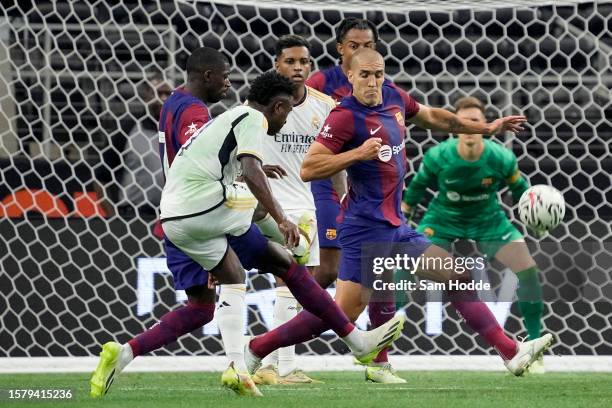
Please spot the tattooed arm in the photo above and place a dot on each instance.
(446, 121)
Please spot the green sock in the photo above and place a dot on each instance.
(530, 301)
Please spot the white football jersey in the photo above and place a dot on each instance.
(205, 168)
(289, 146)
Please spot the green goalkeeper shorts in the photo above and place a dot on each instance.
(490, 236)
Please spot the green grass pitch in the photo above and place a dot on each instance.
(341, 389)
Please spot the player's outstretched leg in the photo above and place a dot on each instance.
(315, 300)
(115, 357)
(517, 357)
(306, 326)
(515, 255)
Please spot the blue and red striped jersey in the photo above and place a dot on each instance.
(333, 82)
(375, 186)
(181, 115)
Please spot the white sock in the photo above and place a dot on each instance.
(269, 228)
(230, 319)
(285, 309)
(354, 341)
(126, 355)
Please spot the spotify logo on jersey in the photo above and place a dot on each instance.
(385, 153)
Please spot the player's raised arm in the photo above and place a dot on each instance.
(446, 121)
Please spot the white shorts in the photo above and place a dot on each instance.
(202, 237)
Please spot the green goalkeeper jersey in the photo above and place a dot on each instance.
(467, 191)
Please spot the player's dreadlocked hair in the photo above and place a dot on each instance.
(268, 85)
(290, 41)
(359, 23)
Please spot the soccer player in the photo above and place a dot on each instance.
(468, 172)
(365, 136)
(208, 216)
(184, 112)
(287, 148)
(351, 35)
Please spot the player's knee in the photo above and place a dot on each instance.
(276, 260)
(229, 270)
(325, 274)
(201, 295)
(235, 276)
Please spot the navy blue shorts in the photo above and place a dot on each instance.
(361, 244)
(187, 273)
(327, 227)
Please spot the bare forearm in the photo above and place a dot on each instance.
(257, 182)
(322, 166)
(441, 119)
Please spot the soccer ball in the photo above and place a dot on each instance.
(541, 207)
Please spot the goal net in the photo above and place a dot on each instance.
(79, 262)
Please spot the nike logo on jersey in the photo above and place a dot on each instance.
(373, 131)
(505, 237)
(451, 181)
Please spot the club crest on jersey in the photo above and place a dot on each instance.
(400, 118)
(487, 181)
(316, 122)
(325, 132)
(330, 233)
(428, 232)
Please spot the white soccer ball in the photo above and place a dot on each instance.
(541, 207)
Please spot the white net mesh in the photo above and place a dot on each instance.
(72, 77)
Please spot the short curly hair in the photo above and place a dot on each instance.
(269, 85)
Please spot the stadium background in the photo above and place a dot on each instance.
(69, 72)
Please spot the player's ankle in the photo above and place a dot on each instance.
(126, 355)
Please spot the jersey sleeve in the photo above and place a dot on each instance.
(316, 81)
(425, 177)
(192, 118)
(411, 107)
(250, 133)
(337, 130)
(515, 181)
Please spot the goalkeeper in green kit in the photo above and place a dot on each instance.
(468, 172)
